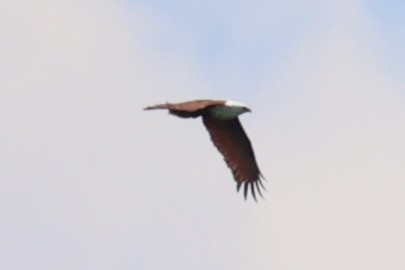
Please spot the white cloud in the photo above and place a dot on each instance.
(335, 151)
(74, 163)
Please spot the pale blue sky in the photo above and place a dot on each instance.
(227, 36)
(255, 38)
(90, 181)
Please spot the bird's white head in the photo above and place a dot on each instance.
(238, 106)
(231, 109)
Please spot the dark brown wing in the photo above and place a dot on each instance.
(231, 140)
(187, 109)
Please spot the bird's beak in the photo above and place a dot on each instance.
(247, 109)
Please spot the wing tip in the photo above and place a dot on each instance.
(255, 187)
(157, 107)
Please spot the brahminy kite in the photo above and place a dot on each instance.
(220, 117)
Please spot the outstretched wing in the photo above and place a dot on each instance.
(231, 140)
(187, 109)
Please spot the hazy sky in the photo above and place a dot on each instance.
(90, 181)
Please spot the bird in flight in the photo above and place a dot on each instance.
(220, 117)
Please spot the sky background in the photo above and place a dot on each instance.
(90, 181)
